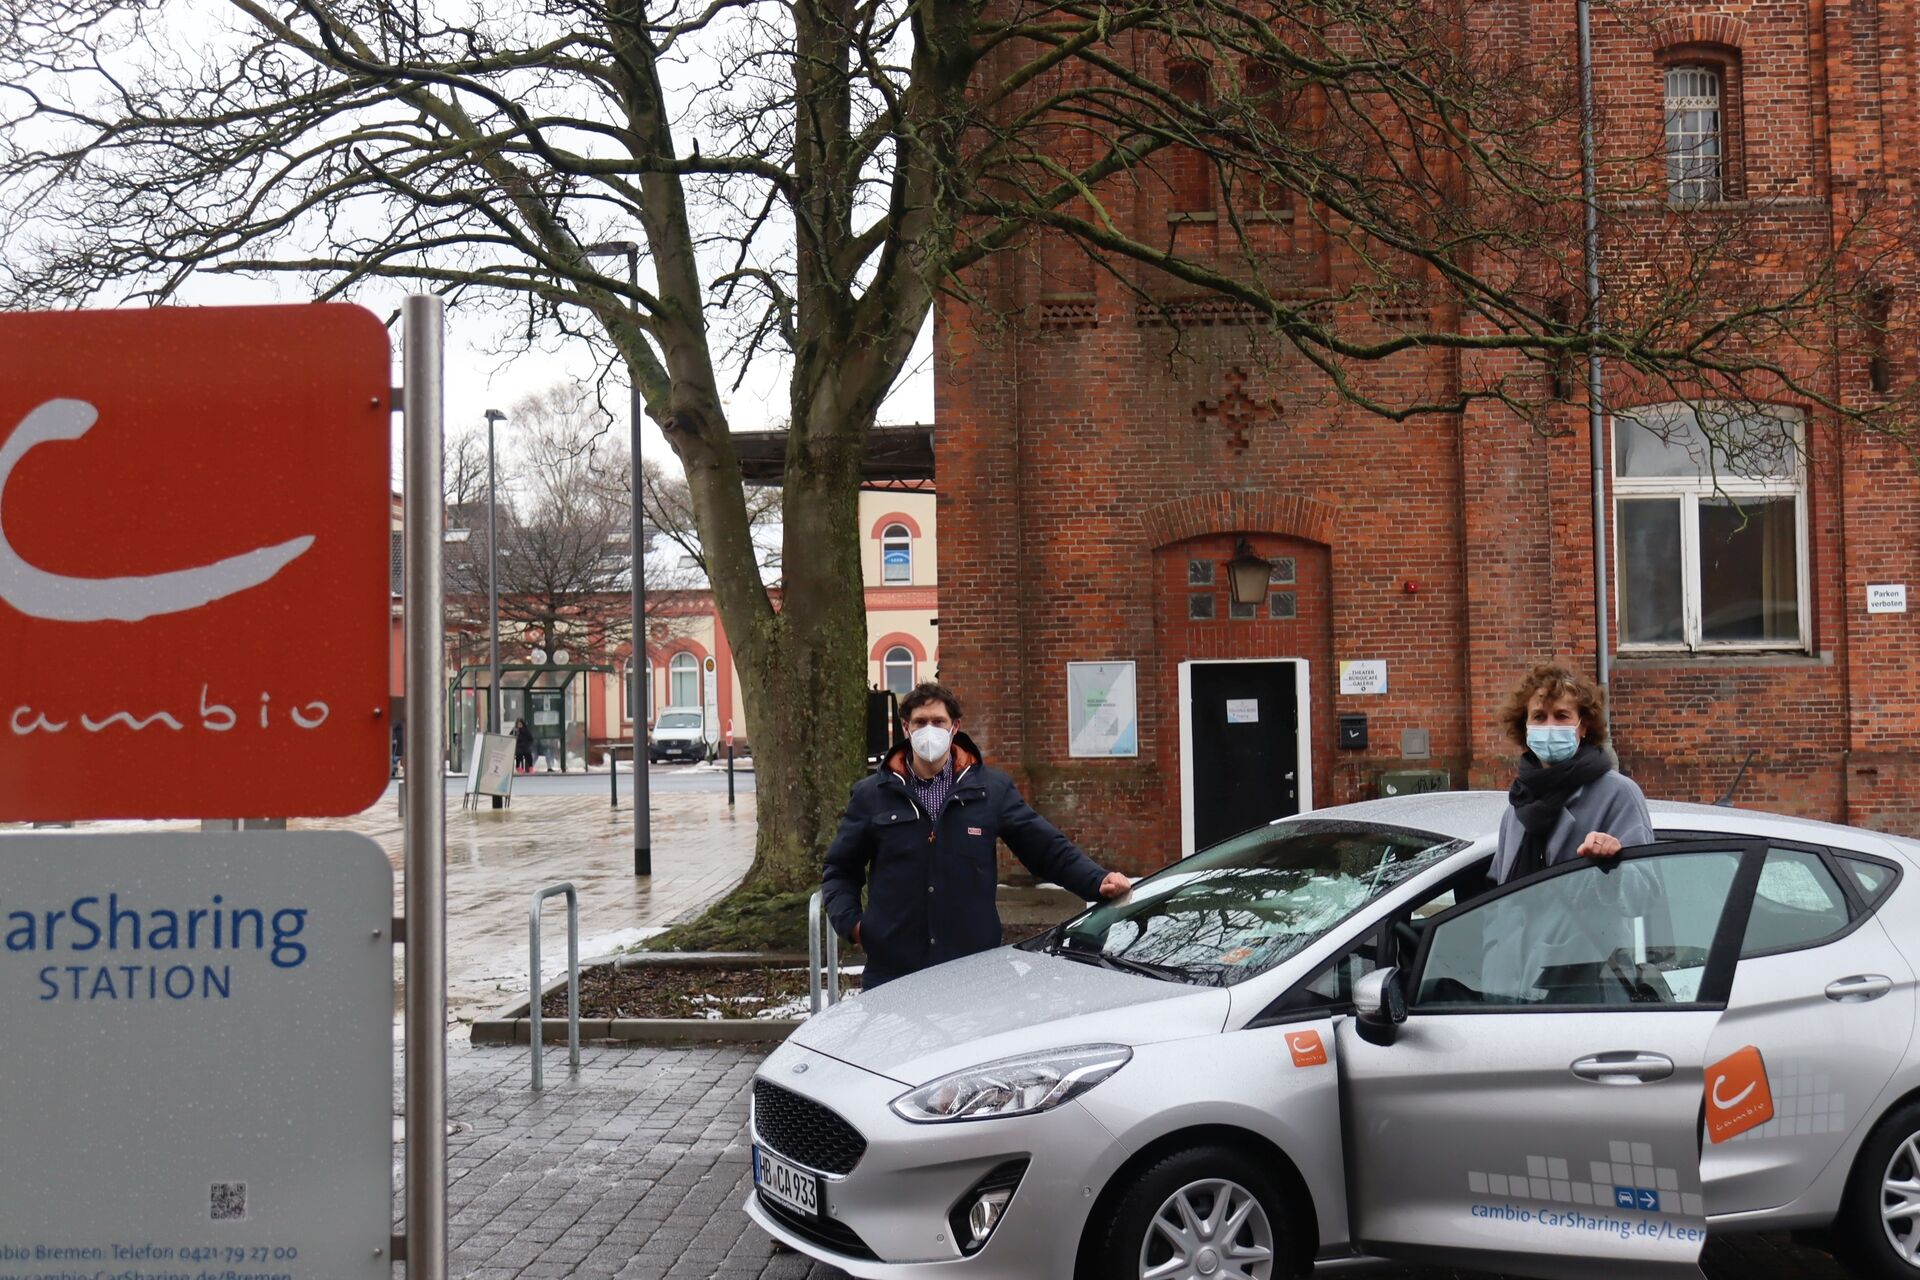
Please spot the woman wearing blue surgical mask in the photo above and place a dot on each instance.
(1568, 800)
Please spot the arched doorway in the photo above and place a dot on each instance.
(1243, 687)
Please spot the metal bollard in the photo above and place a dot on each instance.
(729, 772)
(573, 979)
(816, 914)
(613, 773)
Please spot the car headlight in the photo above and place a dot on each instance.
(1022, 1086)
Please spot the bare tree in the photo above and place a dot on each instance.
(563, 573)
(464, 475)
(1375, 179)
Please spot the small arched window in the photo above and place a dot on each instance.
(896, 555)
(1694, 134)
(897, 671)
(683, 681)
(1189, 172)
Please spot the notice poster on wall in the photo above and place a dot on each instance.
(1887, 597)
(1102, 716)
(1363, 676)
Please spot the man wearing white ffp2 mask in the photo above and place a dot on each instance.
(920, 837)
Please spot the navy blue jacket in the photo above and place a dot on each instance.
(930, 888)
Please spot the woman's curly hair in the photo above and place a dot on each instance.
(1556, 682)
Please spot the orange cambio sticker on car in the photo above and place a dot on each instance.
(1307, 1049)
(1738, 1095)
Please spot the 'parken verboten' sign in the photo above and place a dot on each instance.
(194, 572)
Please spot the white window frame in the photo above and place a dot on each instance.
(1697, 186)
(691, 669)
(1690, 490)
(896, 536)
(906, 659)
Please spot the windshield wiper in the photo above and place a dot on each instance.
(1121, 964)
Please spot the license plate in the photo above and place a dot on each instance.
(790, 1185)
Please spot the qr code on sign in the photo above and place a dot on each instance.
(227, 1202)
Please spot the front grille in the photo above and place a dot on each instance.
(804, 1131)
(825, 1232)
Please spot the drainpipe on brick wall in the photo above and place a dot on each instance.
(1589, 183)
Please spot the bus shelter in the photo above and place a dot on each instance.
(551, 699)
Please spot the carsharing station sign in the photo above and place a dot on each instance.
(196, 1041)
(195, 605)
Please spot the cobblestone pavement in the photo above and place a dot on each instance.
(496, 858)
(636, 1169)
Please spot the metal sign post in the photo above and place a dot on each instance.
(424, 590)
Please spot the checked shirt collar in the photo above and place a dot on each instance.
(932, 793)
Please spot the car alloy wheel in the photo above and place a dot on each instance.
(1900, 1201)
(1212, 1229)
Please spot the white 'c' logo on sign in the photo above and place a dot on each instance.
(1303, 1044)
(1728, 1104)
(57, 598)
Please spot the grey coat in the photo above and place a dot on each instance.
(1612, 803)
(1583, 916)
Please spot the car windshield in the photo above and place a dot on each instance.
(1240, 908)
(685, 720)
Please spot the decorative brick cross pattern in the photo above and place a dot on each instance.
(1237, 409)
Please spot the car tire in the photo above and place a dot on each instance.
(1888, 1161)
(1130, 1241)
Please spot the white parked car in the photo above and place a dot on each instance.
(1326, 1040)
(679, 733)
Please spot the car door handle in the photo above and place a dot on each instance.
(1624, 1068)
(1860, 988)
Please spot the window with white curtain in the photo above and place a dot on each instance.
(1694, 138)
(897, 669)
(683, 681)
(1710, 511)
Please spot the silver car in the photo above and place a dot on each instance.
(1326, 1040)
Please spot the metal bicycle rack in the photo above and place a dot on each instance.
(816, 916)
(573, 978)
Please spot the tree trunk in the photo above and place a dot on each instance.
(803, 676)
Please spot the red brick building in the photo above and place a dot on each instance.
(1093, 487)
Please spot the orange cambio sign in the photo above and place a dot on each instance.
(1307, 1048)
(1739, 1096)
(194, 580)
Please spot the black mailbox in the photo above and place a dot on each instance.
(1353, 732)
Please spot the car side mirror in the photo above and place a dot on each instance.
(1379, 1006)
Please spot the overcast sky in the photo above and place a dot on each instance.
(483, 370)
(480, 377)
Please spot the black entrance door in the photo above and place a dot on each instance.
(1245, 719)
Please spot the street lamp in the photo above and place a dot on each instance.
(642, 800)
(494, 704)
(1248, 575)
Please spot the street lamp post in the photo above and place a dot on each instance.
(642, 800)
(494, 701)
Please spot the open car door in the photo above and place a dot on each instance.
(1538, 1111)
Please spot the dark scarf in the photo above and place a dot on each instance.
(1539, 796)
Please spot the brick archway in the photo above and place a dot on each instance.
(1698, 28)
(1295, 622)
(1239, 511)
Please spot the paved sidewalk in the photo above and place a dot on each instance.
(636, 1169)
